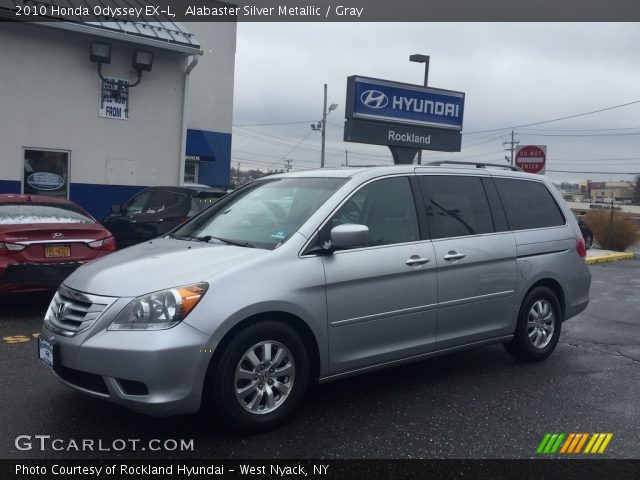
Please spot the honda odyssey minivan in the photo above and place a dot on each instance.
(317, 275)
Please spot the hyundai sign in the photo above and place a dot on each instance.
(393, 102)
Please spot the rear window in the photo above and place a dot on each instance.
(12, 214)
(528, 204)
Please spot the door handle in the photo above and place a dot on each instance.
(416, 260)
(453, 255)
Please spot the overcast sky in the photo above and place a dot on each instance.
(512, 73)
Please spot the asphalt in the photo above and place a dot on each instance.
(476, 404)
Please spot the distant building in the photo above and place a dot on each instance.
(603, 191)
(66, 132)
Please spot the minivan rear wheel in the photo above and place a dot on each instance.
(538, 328)
(260, 376)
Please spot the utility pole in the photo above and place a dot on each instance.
(346, 158)
(512, 146)
(322, 125)
(288, 165)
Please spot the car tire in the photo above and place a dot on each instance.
(259, 377)
(588, 241)
(538, 328)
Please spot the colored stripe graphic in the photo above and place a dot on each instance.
(605, 443)
(594, 437)
(581, 443)
(573, 443)
(567, 443)
(543, 443)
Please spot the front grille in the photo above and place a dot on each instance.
(72, 312)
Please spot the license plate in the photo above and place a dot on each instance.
(57, 251)
(45, 351)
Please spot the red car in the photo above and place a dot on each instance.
(43, 239)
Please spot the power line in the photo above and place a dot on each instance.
(604, 173)
(287, 154)
(270, 124)
(579, 135)
(593, 159)
(582, 129)
(312, 149)
(556, 119)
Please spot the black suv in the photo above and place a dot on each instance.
(156, 210)
(587, 234)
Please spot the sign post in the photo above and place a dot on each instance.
(532, 158)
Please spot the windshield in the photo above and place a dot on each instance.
(263, 214)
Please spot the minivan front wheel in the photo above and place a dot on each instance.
(538, 328)
(261, 376)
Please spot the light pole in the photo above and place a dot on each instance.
(322, 125)
(421, 59)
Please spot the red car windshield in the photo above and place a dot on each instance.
(12, 214)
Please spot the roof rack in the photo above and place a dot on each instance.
(476, 164)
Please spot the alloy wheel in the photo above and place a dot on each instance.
(264, 377)
(541, 323)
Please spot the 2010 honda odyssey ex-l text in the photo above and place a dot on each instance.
(313, 276)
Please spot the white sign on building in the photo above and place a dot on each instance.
(114, 98)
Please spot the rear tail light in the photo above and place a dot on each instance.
(108, 243)
(6, 248)
(581, 247)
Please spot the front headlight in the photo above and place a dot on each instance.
(159, 310)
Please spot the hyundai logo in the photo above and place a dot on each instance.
(57, 235)
(374, 99)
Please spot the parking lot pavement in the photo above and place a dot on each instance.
(476, 404)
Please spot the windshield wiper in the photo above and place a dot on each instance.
(231, 242)
(208, 238)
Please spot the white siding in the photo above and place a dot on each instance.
(50, 99)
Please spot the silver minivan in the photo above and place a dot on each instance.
(317, 275)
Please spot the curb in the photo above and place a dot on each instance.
(612, 257)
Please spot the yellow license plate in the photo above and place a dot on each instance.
(57, 251)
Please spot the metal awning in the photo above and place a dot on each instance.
(160, 33)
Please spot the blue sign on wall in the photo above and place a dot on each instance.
(374, 99)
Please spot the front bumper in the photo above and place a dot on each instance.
(153, 372)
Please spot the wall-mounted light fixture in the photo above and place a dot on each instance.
(117, 91)
(100, 52)
(142, 60)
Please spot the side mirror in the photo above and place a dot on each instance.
(116, 208)
(349, 235)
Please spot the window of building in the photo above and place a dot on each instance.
(191, 172)
(46, 172)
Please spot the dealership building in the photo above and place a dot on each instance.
(95, 111)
